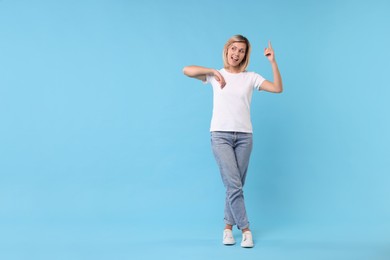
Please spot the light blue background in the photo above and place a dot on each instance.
(104, 144)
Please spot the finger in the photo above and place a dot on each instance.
(221, 81)
(269, 45)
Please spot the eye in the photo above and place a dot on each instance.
(234, 48)
(242, 51)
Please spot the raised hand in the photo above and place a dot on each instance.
(276, 86)
(269, 52)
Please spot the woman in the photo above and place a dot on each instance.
(231, 127)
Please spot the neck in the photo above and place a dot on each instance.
(233, 69)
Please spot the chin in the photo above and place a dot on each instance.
(234, 65)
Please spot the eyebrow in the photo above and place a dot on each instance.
(237, 47)
(242, 49)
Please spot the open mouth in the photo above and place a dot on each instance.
(235, 59)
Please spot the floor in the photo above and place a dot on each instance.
(90, 241)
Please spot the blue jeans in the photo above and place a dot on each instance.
(232, 151)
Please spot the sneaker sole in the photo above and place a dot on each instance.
(249, 246)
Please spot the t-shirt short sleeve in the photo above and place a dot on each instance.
(257, 80)
(208, 79)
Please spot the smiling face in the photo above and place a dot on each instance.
(235, 54)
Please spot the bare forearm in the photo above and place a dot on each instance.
(201, 73)
(197, 71)
(278, 84)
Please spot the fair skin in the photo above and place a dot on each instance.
(235, 55)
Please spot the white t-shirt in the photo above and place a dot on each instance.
(231, 105)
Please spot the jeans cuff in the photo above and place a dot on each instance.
(243, 227)
(231, 223)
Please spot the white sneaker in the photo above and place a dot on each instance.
(228, 238)
(247, 240)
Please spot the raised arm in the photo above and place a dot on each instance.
(200, 73)
(277, 85)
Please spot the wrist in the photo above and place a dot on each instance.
(273, 63)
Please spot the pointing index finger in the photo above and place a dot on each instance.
(269, 45)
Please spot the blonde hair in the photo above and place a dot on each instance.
(245, 62)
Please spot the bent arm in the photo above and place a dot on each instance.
(277, 85)
(197, 72)
(200, 73)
